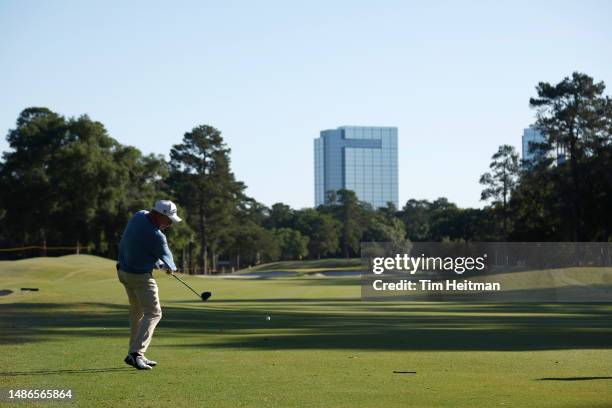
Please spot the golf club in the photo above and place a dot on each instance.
(203, 296)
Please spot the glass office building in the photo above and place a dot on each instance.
(531, 135)
(362, 159)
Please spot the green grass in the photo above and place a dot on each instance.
(323, 347)
(307, 266)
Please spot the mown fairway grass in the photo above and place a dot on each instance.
(307, 266)
(323, 347)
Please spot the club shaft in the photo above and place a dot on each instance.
(185, 283)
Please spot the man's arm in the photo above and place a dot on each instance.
(163, 253)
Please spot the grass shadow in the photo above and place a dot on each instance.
(51, 372)
(329, 324)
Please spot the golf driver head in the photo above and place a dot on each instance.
(205, 296)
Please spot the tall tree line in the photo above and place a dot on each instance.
(65, 181)
(566, 193)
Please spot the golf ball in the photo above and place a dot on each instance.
(267, 317)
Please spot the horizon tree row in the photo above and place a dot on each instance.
(66, 181)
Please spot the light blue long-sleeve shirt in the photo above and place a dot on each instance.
(142, 245)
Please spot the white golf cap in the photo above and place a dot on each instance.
(168, 208)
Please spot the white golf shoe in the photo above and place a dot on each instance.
(137, 361)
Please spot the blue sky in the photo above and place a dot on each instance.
(454, 77)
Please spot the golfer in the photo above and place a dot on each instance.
(143, 247)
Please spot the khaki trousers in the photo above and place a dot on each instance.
(145, 311)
